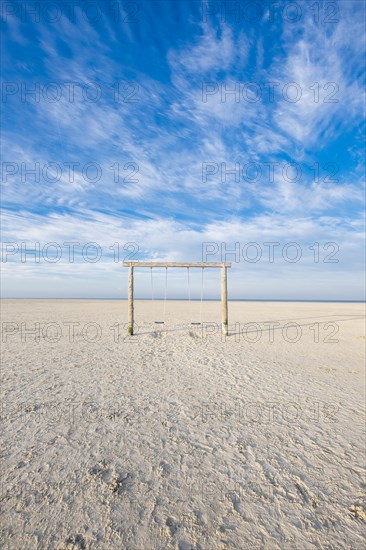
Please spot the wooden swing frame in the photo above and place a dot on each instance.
(222, 265)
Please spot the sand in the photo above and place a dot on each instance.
(177, 438)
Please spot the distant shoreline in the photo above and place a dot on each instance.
(198, 300)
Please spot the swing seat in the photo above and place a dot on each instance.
(196, 323)
(159, 322)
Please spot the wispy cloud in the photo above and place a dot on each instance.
(160, 141)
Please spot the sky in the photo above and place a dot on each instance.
(183, 131)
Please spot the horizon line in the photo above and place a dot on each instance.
(194, 299)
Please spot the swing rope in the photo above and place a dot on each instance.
(165, 292)
(165, 295)
(189, 286)
(200, 323)
(201, 295)
(152, 284)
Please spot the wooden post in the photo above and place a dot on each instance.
(224, 316)
(130, 300)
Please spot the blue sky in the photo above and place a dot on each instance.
(132, 131)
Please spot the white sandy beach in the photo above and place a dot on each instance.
(177, 438)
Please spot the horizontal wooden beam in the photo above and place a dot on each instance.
(176, 264)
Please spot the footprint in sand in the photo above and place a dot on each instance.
(164, 469)
(358, 512)
(75, 542)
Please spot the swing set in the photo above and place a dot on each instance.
(202, 265)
